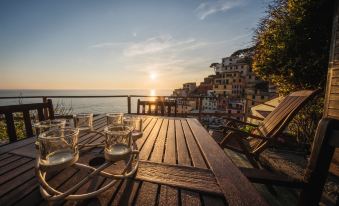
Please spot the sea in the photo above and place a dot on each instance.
(79, 105)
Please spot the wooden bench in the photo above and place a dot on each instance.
(44, 111)
(159, 107)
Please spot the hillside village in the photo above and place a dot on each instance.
(232, 89)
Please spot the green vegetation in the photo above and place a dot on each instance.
(292, 44)
(19, 127)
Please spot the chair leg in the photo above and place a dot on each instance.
(248, 154)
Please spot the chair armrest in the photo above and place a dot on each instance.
(255, 117)
(240, 122)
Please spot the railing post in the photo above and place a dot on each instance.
(44, 100)
(200, 107)
(129, 104)
(245, 110)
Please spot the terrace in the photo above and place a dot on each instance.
(155, 155)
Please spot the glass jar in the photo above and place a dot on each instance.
(114, 118)
(117, 142)
(58, 148)
(83, 121)
(46, 125)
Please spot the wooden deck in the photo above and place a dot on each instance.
(181, 165)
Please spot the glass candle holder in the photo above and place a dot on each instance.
(46, 125)
(136, 124)
(117, 142)
(58, 148)
(83, 121)
(114, 118)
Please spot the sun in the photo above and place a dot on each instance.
(152, 75)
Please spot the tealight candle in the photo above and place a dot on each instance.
(46, 125)
(58, 147)
(83, 121)
(114, 118)
(117, 142)
(136, 124)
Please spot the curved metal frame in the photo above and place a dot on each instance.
(51, 194)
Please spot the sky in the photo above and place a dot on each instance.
(102, 44)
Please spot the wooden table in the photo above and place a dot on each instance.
(181, 165)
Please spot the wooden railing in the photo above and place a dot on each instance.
(129, 98)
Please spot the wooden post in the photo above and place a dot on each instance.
(245, 110)
(129, 104)
(10, 127)
(138, 106)
(44, 100)
(200, 107)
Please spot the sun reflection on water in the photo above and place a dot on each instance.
(152, 93)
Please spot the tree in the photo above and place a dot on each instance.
(292, 44)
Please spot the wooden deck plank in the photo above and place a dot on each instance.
(16, 171)
(4, 156)
(146, 149)
(16, 182)
(195, 153)
(126, 194)
(13, 165)
(236, 188)
(147, 194)
(170, 151)
(168, 196)
(189, 198)
(140, 142)
(183, 155)
(14, 197)
(159, 145)
(9, 160)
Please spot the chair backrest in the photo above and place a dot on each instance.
(327, 135)
(25, 109)
(279, 118)
(166, 107)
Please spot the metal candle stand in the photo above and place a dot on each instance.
(52, 194)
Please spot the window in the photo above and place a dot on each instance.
(242, 66)
(224, 86)
(253, 96)
(262, 97)
(249, 76)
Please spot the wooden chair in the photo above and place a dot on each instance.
(25, 109)
(325, 142)
(160, 107)
(253, 143)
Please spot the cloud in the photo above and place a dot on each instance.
(159, 44)
(207, 8)
(107, 44)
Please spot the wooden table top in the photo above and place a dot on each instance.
(180, 164)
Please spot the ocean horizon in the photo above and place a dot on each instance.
(78, 105)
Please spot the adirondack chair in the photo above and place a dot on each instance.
(325, 142)
(253, 143)
(44, 111)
